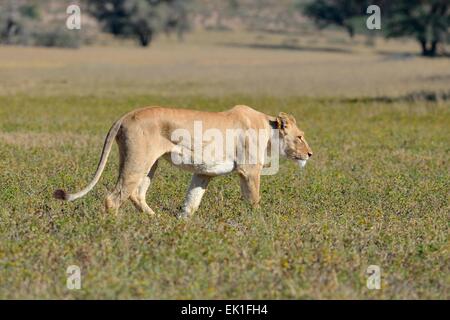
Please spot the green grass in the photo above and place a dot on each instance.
(375, 192)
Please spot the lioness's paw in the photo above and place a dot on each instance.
(182, 215)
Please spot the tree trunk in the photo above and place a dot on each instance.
(10, 31)
(428, 49)
(433, 48)
(145, 37)
(350, 30)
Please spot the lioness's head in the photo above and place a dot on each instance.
(292, 140)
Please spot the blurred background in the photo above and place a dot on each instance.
(277, 47)
(374, 105)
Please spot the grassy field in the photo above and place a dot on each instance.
(375, 193)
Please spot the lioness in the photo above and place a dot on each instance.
(145, 135)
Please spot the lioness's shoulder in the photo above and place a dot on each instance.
(242, 108)
(247, 116)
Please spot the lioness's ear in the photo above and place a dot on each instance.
(279, 123)
(283, 120)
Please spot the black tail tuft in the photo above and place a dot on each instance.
(60, 194)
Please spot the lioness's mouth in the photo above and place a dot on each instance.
(301, 163)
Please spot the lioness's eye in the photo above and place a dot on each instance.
(300, 137)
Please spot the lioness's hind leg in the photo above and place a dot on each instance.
(126, 184)
(133, 166)
(138, 196)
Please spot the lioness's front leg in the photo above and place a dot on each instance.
(250, 181)
(194, 195)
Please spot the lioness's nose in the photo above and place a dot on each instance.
(310, 154)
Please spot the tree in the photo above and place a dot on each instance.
(15, 17)
(427, 21)
(22, 23)
(176, 18)
(334, 12)
(137, 18)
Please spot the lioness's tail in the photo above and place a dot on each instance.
(63, 195)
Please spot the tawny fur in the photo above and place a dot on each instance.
(144, 136)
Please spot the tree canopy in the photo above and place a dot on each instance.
(427, 21)
(334, 12)
(140, 18)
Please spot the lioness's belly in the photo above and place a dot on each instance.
(210, 168)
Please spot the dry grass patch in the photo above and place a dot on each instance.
(29, 140)
(233, 65)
